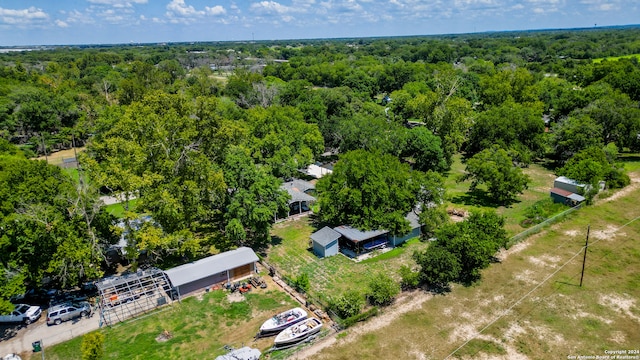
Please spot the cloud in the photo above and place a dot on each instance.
(61, 24)
(178, 7)
(271, 7)
(216, 10)
(118, 3)
(602, 5)
(22, 16)
(179, 12)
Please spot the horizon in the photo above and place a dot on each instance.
(85, 22)
(23, 47)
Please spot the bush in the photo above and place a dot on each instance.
(382, 290)
(347, 305)
(541, 211)
(301, 283)
(92, 346)
(359, 317)
(410, 278)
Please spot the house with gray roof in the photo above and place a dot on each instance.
(325, 242)
(213, 270)
(300, 192)
(354, 242)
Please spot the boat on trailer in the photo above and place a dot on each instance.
(283, 321)
(298, 332)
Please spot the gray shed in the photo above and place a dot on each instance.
(212, 270)
(325, 242)
(570, 185)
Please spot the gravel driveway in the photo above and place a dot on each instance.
(20, 341)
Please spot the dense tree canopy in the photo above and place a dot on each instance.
(371, 191)
(205, 133)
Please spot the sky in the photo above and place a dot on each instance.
(69, 22)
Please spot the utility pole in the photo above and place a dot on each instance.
(584, 259)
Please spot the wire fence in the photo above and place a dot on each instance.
(539, 227)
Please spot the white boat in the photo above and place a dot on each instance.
(298, 332)
(283, 320)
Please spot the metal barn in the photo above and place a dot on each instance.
(123, 297)
(213, 270)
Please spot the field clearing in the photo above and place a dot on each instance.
(200, 327)
(530, 305)
(541, 183)
(333, 275)
(614, 58)
(58, 157)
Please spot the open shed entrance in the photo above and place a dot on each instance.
(126, 296)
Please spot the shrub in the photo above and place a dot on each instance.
(301, 283)
(347, 305)
(410, 278)
(92, 346)
(382, 290)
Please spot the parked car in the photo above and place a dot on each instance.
(67, 311)
(40, 297)
(22, 313)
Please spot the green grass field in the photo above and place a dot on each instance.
(117, 210)
(614, 58)
(333, 275)
(199, 329)
(458, 197)
(530, 305)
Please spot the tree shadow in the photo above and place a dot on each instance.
(8, 332)
(475, 198)
(629, 158)
(549, 164)
(440, 289)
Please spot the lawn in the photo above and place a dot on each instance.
(200, 328)
(614, 58)
(333, 275)
(458, 197)
(530, 305)
(117, 209)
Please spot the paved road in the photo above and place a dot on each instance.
(50, 335)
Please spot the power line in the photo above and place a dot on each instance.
(532, 290)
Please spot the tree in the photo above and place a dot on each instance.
(369, 191)
(495, 168)
(573, 134)
(425, 150)
(438, 267)
(473, 242)
(382, 290)
(348, 304)
(507, 125)
(594, 164)
(93, 346)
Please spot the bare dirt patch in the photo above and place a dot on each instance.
(407, 302)
(607, 234)
(58, 156)
(545, 260)
(572, 233)
(622, 304)
(635, 184)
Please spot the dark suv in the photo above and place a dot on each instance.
(67, 311)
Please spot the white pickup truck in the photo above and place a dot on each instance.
(22, 313)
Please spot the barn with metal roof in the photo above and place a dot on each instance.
(213, 270)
